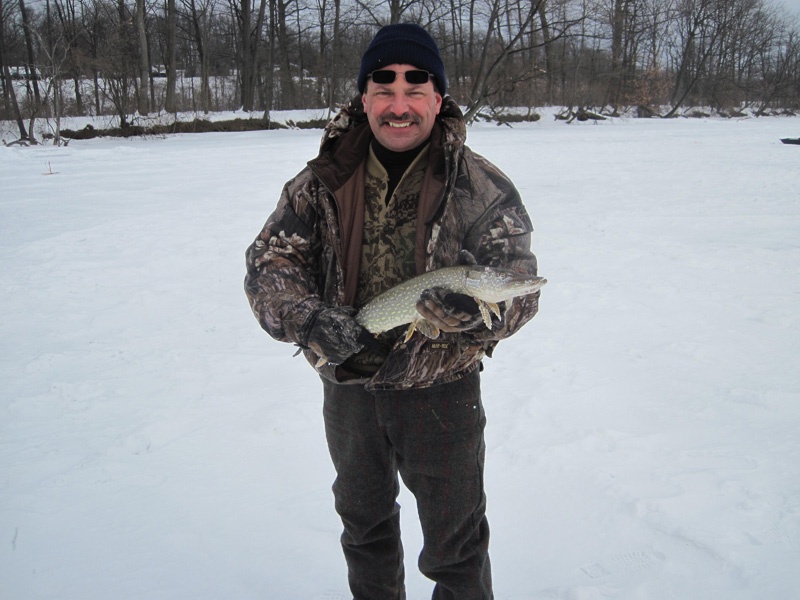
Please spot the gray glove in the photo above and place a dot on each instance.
(448, 310)
(334, 334)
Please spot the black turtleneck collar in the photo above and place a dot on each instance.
(395, 163)
(392, 158)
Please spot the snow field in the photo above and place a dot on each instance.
(642, 436)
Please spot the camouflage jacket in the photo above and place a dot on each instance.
(307, 255)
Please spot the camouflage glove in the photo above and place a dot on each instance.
(448, 310)
(335, 335)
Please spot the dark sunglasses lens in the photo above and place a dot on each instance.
(417, 77)
(386, 76)
(383, 77)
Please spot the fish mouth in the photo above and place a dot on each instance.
(504, 285)
(530, 287)
(526, 282)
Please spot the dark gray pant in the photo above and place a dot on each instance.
(434, 438)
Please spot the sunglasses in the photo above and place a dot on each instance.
(386, 76)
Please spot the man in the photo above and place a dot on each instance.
(395, 192)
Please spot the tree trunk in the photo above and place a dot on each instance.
(23, 134)
(617, 30)
(76, 83)
(96, 79)
(169, 101)
(324, 63)
(31, 62)
(245, 73)
(287, 83)
(9, 83)
(144, 61)
(33, 74)
(254, 48)
(549, 59)
(455, 31)
(336, 67)
(199, 38)
(269, 80)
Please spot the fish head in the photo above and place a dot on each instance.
(492, 284)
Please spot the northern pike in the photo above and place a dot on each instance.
(487, 285)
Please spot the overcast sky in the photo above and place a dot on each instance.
(793, 6)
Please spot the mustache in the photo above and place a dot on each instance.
(404, 117)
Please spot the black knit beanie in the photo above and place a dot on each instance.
(403, 44)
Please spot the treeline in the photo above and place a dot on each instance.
(125, 57)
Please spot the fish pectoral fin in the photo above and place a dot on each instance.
(487, 310)
(412, 327)
(426, 328)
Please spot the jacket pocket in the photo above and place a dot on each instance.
(422, 362)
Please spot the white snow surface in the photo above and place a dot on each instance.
(642, 432)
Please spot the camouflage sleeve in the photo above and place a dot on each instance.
(282, 266)
(502, 238)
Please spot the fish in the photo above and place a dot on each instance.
(487, 285)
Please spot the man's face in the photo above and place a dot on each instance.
(401, 114)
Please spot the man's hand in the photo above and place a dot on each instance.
(335, 335)
(449, 311)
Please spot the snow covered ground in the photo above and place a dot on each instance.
(643, 429)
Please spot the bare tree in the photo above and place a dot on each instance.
(144, 59)
(300, 53)
(170, 59)
(249, 34)
(704, 23)
(284, 11)
(9, 94)
(53, 63)
(200, 13)
(509, 33)
(398, 10)
(30, 64)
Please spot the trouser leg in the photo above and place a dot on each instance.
(441, 453)
(365, 492)
(435, 438)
